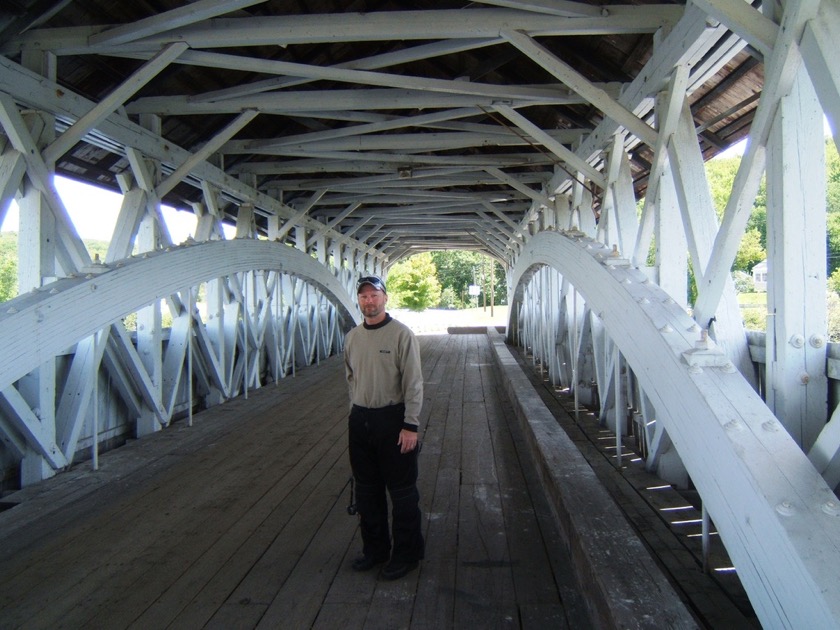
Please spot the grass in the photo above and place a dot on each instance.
(752, 299)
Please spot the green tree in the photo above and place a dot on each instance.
(832, 177)
(833, 305)
(449, 298)
(832, 237)
(8, 278)
(413, 283)
(8, 266)
(721, 175)
(750, 252)
(457, 270)
(743, 282)
(834, 281)
(832, 206)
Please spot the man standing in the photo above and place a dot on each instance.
(382, 363)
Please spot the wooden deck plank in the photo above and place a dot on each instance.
(298, 600)
(213, 576)
(484, 563)
(440, 481)
(240, 521)
(533, 577)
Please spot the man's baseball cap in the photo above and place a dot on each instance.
(374, 281)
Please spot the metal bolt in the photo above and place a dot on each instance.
(817, 341)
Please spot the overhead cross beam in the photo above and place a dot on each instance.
(577, 82)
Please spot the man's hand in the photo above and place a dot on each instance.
(407, 441)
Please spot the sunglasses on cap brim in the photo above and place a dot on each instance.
(373, 281)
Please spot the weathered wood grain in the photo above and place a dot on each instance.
(240, 520)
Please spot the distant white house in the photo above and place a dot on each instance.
(759, 274)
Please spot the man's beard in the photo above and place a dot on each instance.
(372, 310)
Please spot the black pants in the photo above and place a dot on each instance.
(378, 464)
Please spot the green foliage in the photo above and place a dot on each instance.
(8, 279)
(8, 266)
(448, 298)
(743, 282)
(750, 253)
(413, 283)
(457, 270)
(691, 282)
(753, 310)
(130, 322)
(97, 248)
(721, 175)
(834, 281)
(749, 299)
(833, 305)
(754, 318)
(832, 179)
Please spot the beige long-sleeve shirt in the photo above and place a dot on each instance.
(382, 364)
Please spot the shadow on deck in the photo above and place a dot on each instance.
(240, 521)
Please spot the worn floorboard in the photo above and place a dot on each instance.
(240, 521)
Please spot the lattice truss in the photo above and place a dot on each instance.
(745, 422)
(585, 300)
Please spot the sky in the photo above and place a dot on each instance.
(94, 212)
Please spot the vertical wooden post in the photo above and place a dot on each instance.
(796, 379)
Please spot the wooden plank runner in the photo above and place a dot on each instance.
(624, 584)
(535, 582)
(240, 520)
(440, 485)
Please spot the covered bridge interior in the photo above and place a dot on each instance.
(318, 141)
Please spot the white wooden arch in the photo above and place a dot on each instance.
(778, 519)
(38, 325)
(80, 314)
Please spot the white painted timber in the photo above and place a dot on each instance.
(27, 87)
(208, 149)
(577, 82)
(351, 27)
(114, 100)
(22, 418)
(70, 250)
(46, 323)
(818, 52)
(749, 23)
(668, 107)
(686, 43)
(779, 73)
(371, 99)
(367, 77)
(78, 388)
(825, 454)
(671, 258)
(700, 226)
(777, 517)
(796, 284)
(549, 142)
(166, 21)
(549, 7)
